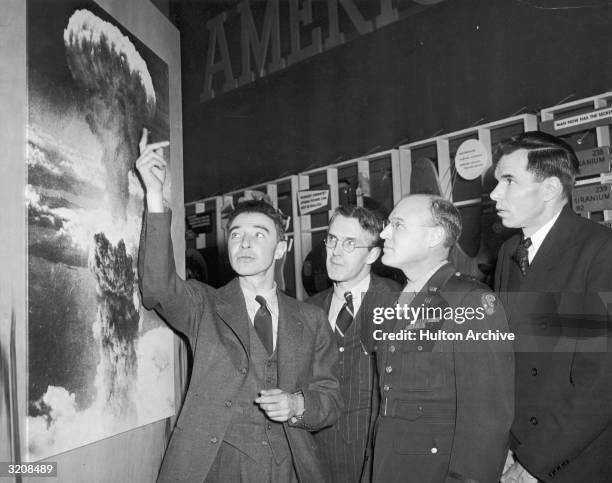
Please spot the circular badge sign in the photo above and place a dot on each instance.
(471, 159)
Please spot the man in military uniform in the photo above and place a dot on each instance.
(447, 398)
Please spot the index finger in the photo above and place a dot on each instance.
(157, 145)
(269, 392)
(267, 399)
(142, 144)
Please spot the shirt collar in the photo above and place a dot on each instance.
(417, 284)
(357, 292)
(538, 237)
(270, 296)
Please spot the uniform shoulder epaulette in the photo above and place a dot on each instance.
(466, 277)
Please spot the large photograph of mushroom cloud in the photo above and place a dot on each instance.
(98, 364)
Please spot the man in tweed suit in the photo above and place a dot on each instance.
(262, 362)
(352, 246)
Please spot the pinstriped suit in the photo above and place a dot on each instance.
(345, 447)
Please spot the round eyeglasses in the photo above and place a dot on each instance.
(348, 244)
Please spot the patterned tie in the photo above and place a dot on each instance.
(263, 324)
(521, 255)
(345, 316)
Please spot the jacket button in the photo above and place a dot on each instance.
(228, 404)
(340, 362)
(386, 387)
(264, 443)
(341, 349)
(214, 440)
(534, 371)
(243, 370)
(533, 421)
(392, 348)
(420, 409)
(269, 363)
(388, 369)
(434, 450)
(269, 427)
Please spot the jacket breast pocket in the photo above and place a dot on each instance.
(425, 371)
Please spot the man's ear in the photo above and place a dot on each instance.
(437, 236)
(373, 255)
(280, 250)
(552, 188)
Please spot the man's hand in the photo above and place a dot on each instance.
(152, 168)
(280, 406)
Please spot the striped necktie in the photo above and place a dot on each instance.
(345, 316)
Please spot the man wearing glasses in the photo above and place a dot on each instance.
(446, 376)
(352, 245)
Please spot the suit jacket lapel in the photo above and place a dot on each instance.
(328, 300)
(288, 341)
(234, 314)
(552, 250)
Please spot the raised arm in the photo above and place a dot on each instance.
(179, 302)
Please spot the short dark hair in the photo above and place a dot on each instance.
(263, 207)
(547, 156)
(446, 215)
(369, 220)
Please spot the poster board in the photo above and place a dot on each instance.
(134, 452)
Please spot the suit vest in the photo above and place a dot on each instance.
(250, 430)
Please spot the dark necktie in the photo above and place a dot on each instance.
(263, 324)
(521, 255)
(345, 316)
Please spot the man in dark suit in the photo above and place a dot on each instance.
(554, 279)
(352, 245)
(444, 358)
(262, 362)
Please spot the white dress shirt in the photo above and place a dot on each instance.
(417, 284)
(538, 237)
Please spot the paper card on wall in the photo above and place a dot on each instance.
(597, 197)
(594, 161)
(578, 122)
(201, 222)
(471, 159)
(313, 201)
(201, 241)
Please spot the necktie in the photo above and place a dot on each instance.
(521, 255)
(263, 324)
(345, 316)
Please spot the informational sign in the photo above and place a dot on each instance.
(313, 201)
(471, 159)
(201, 222)
(594, 161)
(597, 197)
(578, 122)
